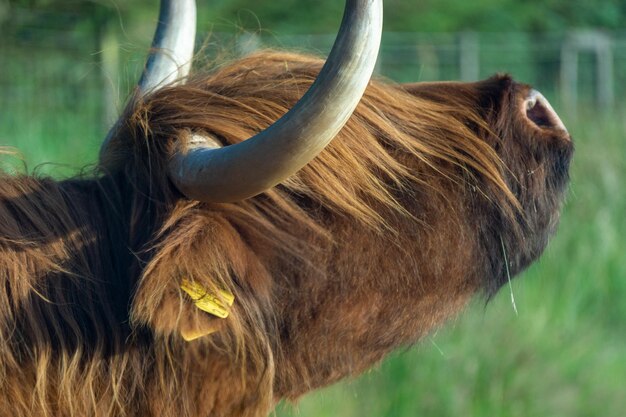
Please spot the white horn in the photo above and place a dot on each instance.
(248, 168)
(170, 55)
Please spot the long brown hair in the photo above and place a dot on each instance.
(91, 309)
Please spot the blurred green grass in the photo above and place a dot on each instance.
(562, 355)
(51, 111)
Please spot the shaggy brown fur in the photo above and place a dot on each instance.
(377, 241)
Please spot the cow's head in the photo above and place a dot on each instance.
(496, 146)
(535, 148)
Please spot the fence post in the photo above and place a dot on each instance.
(469, 56)
(428, 61)
(604, 54)
(109, 59)
(569, 76)
(600, 45)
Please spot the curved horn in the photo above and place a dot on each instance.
(248, 168)
(170, 55)
(172, 46)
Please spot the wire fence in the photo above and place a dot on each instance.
(587, 66)
(53, 81)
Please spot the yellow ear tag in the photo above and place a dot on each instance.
(217, 305)
(192, 333)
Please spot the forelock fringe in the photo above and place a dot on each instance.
(365, 167)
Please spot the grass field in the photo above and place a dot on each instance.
(563, 354)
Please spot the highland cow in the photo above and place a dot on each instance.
(142, 292)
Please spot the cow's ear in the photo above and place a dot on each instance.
(188, 289)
